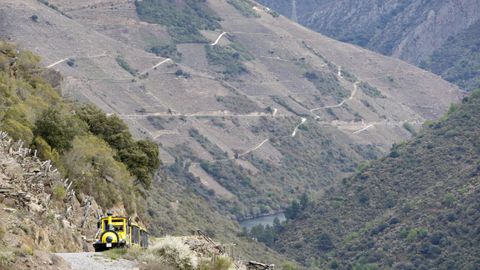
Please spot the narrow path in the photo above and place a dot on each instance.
(73, 57)
(218, 39)
(296, 128)
(363, 129)
(352, 95)
(254, 148)
(275, 58)
(58, 62)
(155, 66)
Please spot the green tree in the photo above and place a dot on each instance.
(293, 210)
(58, 129)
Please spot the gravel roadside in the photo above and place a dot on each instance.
(90, 260)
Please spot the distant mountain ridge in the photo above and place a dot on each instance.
(412, 30)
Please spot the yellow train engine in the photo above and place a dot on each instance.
(119, 232)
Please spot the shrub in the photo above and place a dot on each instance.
(116, 253)
(449, 199)
(126, 66)
(17, 130)
(71, 62)
(7, 259)
(171, 252)
(412, 235)
(45, 151)
(59, 193)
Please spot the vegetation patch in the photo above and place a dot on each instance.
(184, 19)
(245, 7)
(370, 91)
(327, 84)
(167, 50)
(280, 101)
(229, 57)
(126, 66)
(409, 127)
(211, 148)
(238, 104)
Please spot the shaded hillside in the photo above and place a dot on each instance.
(414, 31)
(417, 208)
(458, 60)
(243, 110)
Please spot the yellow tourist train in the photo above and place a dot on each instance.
(119, 232)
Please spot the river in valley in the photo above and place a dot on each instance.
(264, 220)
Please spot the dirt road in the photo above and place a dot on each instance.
(218, 39)
(90, 260)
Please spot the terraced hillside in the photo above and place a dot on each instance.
(440, 36)
(249, 110)
(417, 208)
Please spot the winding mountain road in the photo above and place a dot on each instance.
(218, 39)
(296, 127)
(155, 66)
(352, 95)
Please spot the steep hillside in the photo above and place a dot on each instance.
(458, 59)
(244, 104)
(410, 30)
(417, 208)
(39, 211)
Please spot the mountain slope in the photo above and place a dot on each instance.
(418, 208)
(227, 109)
(409, 30)
(458, 59)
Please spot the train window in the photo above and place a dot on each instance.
(118, 228)
(135, 236)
